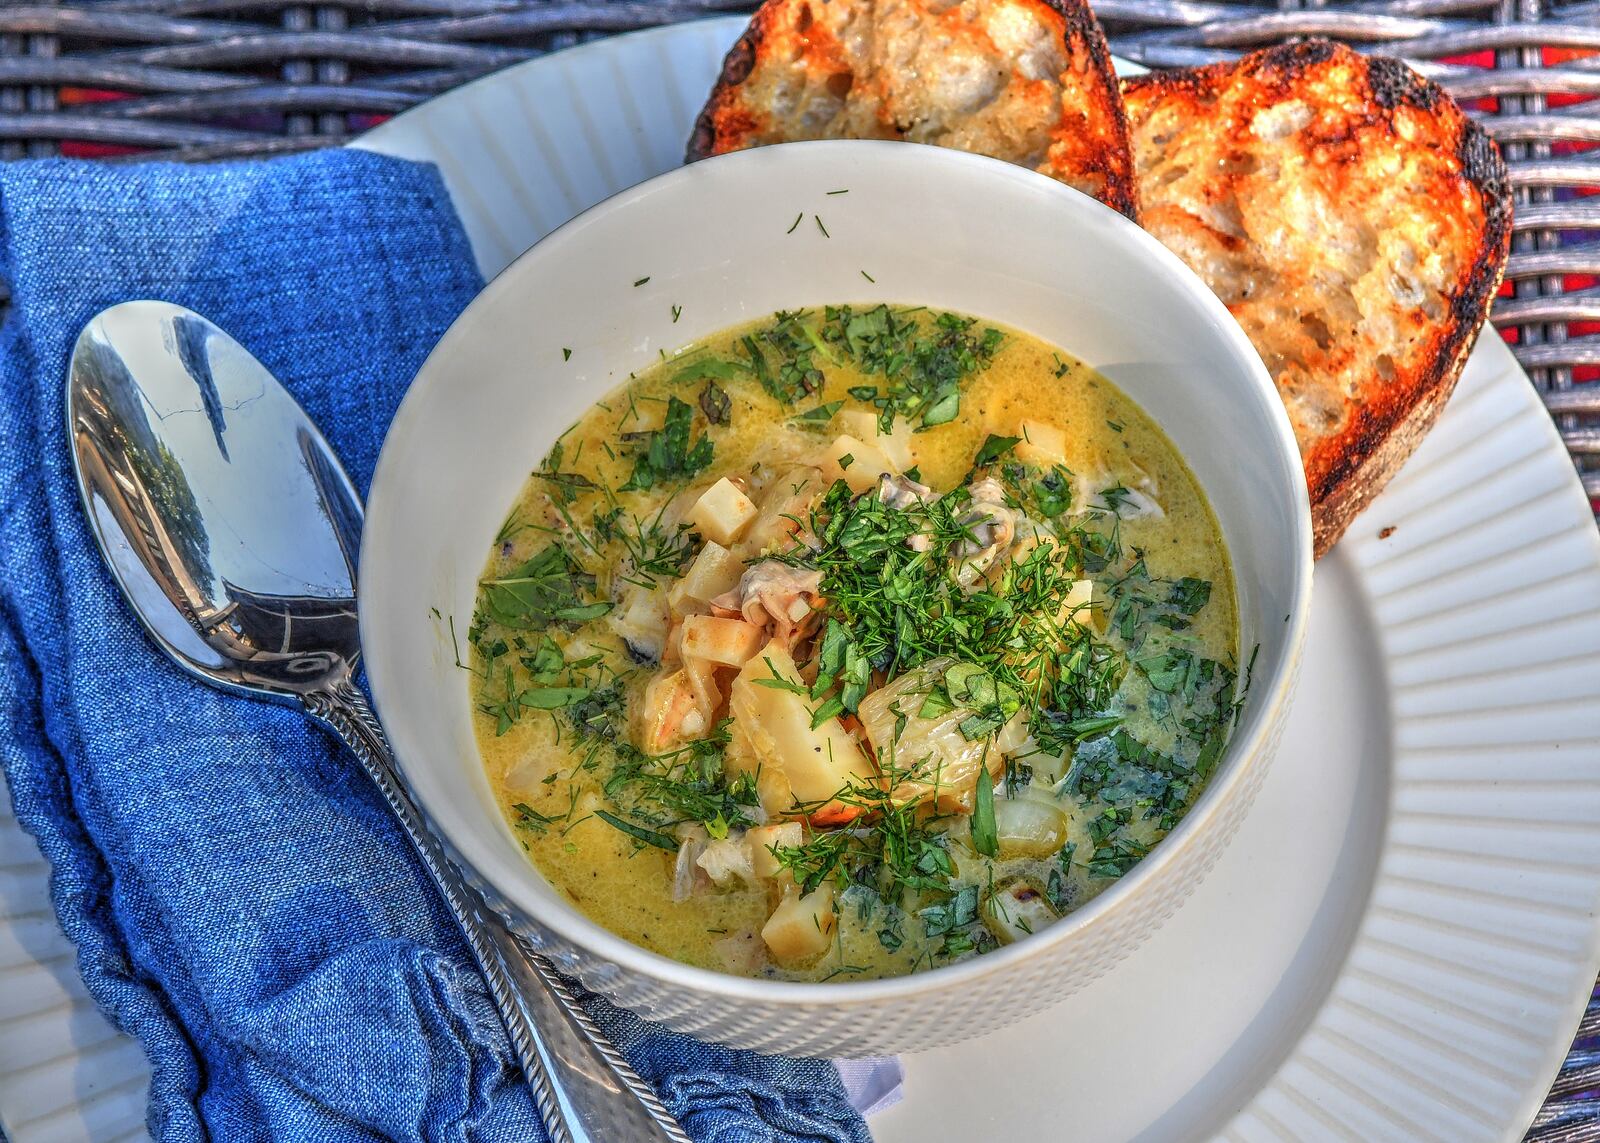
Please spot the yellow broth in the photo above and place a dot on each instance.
(551, 777)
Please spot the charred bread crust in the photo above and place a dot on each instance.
(1384, 418)
(1093, 154)
(736, 68)
(1113, 163)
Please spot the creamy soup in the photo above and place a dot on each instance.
(852, 642)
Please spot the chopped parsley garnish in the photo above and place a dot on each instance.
(600, 714)
(667, 453)
(895, 851)
(993, 449)
(896, 608)
(686, 785)
(818, 416)
(704, 368)
(1189, 595)
(1115, 498)
(983, 827)
(923, 368)
(544, 590)
(790, 373)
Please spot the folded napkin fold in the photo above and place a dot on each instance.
(239, 898)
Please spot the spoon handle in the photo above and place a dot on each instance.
(584, 1089)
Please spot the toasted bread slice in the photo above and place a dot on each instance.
(1354, 221)
(1028, 81)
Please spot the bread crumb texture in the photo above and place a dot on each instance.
(1354, 222)
(1027, 81)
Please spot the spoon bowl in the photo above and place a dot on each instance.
(223, 512)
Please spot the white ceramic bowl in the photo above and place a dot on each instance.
(717, 239)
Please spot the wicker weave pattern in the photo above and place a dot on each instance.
(213, 79)
(210, 79)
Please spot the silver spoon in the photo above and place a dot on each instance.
(232, 529)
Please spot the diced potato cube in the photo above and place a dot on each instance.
(817, 762)
(722, 513)
(642, 620)
(748, 857)
(1084, 606)
(1041, 445)
(762, 840)
(1029, 826)
(801, 927)
(896, 443)
(727, 642)
(1017, 910)
(859, 423)
(772, 787)
(714, 571)
(867, 463)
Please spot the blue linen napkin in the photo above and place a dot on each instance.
(239, 899)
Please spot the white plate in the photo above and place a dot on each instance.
(1400, 939)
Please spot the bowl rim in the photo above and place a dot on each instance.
(1245, 750)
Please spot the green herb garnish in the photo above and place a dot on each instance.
(704, 368)
(637, 832)
(984, 839)
(993, 449)
(530, 819)
(668, 453)
(820, 415)
(540, 592)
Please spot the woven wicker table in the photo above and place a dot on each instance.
(213, 79)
